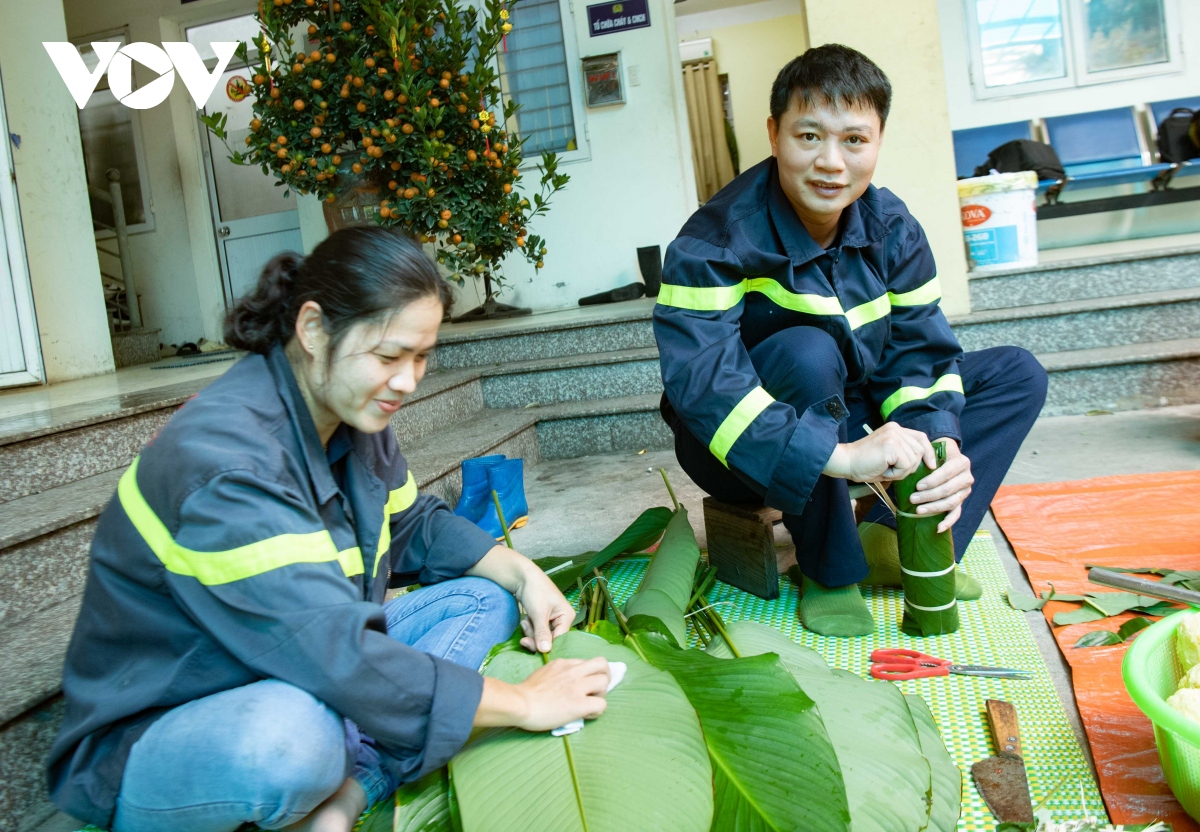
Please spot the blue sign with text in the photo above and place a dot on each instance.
(607, 18)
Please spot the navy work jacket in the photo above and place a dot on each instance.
(229, 555)
(744, 268)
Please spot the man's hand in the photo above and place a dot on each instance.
(890, 453)
(945, 488)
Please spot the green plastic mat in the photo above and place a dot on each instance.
(991, 633)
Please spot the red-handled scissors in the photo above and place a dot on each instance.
(896, 664)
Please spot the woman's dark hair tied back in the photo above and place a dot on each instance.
(357, 274)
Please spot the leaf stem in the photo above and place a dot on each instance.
(714, 618)
(622, 621)
(670, 490)
(500, 514)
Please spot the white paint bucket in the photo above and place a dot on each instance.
(999, 217)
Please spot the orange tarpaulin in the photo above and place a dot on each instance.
(1142, 520)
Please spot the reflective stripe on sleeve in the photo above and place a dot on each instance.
(721, 298)
(400, 499)
(926, 293)
(949, 383)
(746, 411)
(223, 567)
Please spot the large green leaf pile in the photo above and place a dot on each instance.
(753, 734)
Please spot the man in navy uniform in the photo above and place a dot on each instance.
(800, 304)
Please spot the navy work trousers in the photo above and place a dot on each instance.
(1005, 388)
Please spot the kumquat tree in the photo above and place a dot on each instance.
(398, 97)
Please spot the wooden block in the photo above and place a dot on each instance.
(741, 544)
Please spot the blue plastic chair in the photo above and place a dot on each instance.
(972, 146)
(1100, 148)
(1160, 110)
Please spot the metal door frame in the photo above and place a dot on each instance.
(18, 265)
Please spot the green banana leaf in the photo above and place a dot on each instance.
(641, 534)
(641, 765)
(888, 779)
(666, 587)
(422, 806)
(774, 767)
(947, 778)
(926, 561)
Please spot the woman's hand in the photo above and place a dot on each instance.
(890, 453)
(945, 489)
(547, 613)
(553, 695)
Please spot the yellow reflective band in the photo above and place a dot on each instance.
(215, 568)
(946, 384)
(400, 499)
(872, 310)
(927, 293)
(746, 411)
(721, 298)
(708, 299)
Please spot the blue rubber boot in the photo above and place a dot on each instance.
(508, 480)
(476, 493)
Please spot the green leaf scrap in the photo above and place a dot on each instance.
(641, 534)
(1098, 638)
(1023, 602)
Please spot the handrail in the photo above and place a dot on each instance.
(118, 205)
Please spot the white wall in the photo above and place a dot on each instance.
(966, 112)
(637, 189)
(52, 191)
(917, 158)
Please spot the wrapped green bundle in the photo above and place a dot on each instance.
(666, 587)
(926, 562)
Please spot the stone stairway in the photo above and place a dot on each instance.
(1112, 333)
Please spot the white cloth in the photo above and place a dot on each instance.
(616, 672)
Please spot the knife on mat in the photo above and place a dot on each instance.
(1001, 780)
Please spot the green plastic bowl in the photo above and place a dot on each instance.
(1151, 672)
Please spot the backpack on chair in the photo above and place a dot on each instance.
(1179, 136)
(1023, 154)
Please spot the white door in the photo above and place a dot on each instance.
(252, 220)
(20, 350)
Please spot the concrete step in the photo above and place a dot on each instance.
(1123, 377)
(585, 331)
(1175, 267)
(604, 375)
(139, 346)
(621, 424)
(442, 398)
(50, 448)
(1084, 324)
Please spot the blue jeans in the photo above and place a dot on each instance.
(269, 753)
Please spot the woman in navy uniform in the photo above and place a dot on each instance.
(235, 660)
(800, 304)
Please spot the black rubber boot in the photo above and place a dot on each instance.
(630, 291)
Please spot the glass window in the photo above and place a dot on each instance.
(533, 72)
(1125, 33)
(1020, 41)
(109, 132)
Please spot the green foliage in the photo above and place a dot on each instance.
(889, 784)
(642, 765)
(642, 533)
(774, 767)
(394, 102)
(1107, 638)
(666, 587)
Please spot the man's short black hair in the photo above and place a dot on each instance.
(832, 74)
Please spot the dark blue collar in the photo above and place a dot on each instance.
(860, 224)
(314, 454)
